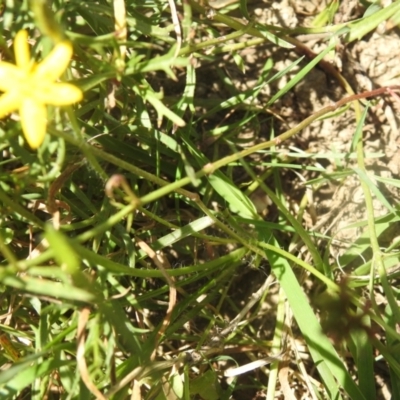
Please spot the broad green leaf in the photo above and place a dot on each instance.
(237, 201)
(63, 251)
(23, 373)
(49, 288)
(206, 386)
(332, 369)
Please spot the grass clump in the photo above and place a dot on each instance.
(157, 244)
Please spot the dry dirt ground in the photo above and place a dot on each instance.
(369, 63)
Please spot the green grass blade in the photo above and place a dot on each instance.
(331, 368)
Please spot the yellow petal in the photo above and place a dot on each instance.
(10, 76)
(55, 63)
(33, 121)
(9, 102)
(21, 50)
(59, 94)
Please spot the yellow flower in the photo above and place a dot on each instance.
(28, 87)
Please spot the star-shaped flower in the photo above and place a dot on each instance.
(28, 87)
